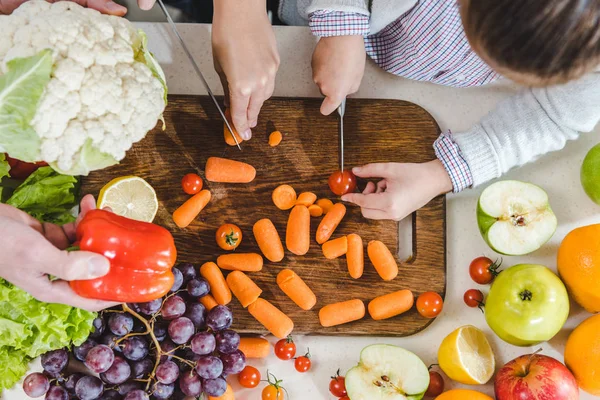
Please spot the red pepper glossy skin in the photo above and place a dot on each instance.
(141, 257)
(22, 170)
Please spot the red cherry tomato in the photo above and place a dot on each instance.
(483, 270)
(436, 384)
(20, 169)
(229, 236)
(285, 349)
(303, 363)
(249, 377)
(337, 386)
(191, 183)
(430, 304)
(342, 182)
(473, 298)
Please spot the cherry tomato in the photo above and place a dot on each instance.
(249, 377)
(337, 386)
(274, 391)
(303, 363)
(344, 398)
(229, 236)
(20, 169)
(483, 270)
(436, 384)
(191, 183)
(430, 304)
(342, 182)
(285, 349)
(473, 298)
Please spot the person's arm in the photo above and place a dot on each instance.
(104, 6)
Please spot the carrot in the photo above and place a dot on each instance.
(228, 171)
(284, 197)
(227, 134)
(276, 322)
(255, 347)
(218, 285)
(383, 260)
(330, 222)
(315, 210)
(228, 395)
(268, 240)
(390, 305)
(243, 288)
(341, 313)
(335, 248)
(208, 301)
(189, 210)
(297, 235)
(249, 262)
(275, 138)
(306, 199)
(325, 204)
(355, 256)
(296, 289)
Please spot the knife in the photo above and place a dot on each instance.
(341, 110)
(197, 69)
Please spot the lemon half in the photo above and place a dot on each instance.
(131, 197)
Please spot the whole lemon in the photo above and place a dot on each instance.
(462, 394)
(582, 355)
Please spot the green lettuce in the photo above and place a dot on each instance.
(4, 169)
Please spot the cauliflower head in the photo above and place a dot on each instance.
(77, 88)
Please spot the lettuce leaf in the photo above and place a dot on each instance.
(4, 172)
(143, 55)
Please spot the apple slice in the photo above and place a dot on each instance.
(387, 372)
(515, 217)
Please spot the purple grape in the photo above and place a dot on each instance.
(138, 327)
(89, 388)
(135, 348)
(99, 327)
(181, 330)
(160, 331)
(136, 395)
(120, 323)
(233, 363)
(173, 307)
(128, 386)
(178, 281)
(167, 347)
(203, 343)
(134, 306)
(219, 318)
(209, 367)
(110, 395)
(36, 384)
(162, 391)
(190, 384)
(71, 381)
(57, 393)
(167, 372)
(189, 355)
(110, 340)
(196, 312)
(80, 352)
(118, 373)
(151, 307)
(55, 361)
(214, 387)
(188, 271)
(198, 287)
(99, 358)
(141, 368)
(227, 341)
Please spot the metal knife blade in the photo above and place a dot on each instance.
(341, 111)
(197, 69)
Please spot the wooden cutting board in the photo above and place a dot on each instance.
(375, 131)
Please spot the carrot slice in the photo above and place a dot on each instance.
(383, 260)
(255, 347)
(249, 262)
(306, 199)
(226, 134)
(243, 288)
(325, 204)
(189, 210)
(228, 171)
(218, 285)
(341, 313)
(335, 248)
(297, 235)
(272, 318)
(330, 222)
(355, 256)
(315, 210)
(284, 197)
(296, 289)
(391, 304)
(208, 301)
(228, 395)
(268, 240)
(275, 138)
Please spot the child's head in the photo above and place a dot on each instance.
(535, 42)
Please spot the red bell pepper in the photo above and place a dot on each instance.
(20, 169)
(141, 257)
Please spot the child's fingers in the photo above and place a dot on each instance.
(330, 104)
(375, 170)
(374, 201)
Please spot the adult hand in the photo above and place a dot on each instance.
(403, 189)
(104, 6)
(245, 57)
(32, 250)
(338, 65)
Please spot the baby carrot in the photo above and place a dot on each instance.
(218, 285)
(341, 313)
(306, 199)
(249, 262)
(254, 347)
(297, 235)
(284, 197)
(383, 260)
(228, 171)
(296, 289)
(227, 134)
(276, 322)
(355, 256)
(390, 305)
(275, 138)
(330, 222)
(208, 301)
(335, 248)
(228, 395)
(325, 204)
(268, 240)
(315, 210)
(189, 210)
(243, 288)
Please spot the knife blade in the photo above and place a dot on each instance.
(197, 69)
(341, 111)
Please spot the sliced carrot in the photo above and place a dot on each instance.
(255, 347)
(268, 240)
(228, 171)
(341, 313)
(243, 288)
(296, 289)
(383, 260)
(218, 284)
(249, 262)
(306, 199)
(208, 301)
(390, 305)
(189, 210)
(297, 235)
(284, 197)
(228, 395)
(275, 138)
(325, 204)
(315, 210)
(272, 318)
(330, 222)
(227, 134)
(335, 248)
(355, 256)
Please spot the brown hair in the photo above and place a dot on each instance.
(543, 41)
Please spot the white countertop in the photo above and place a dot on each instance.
(455, 109)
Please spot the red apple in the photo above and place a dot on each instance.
(535, 377)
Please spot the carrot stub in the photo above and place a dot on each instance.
(228, 395)
(325, 204)
(315, 210)
(341, 313)
(248, 262)
(284, 197)
(228, 171)
(255, 347)
(272, 318)
(275, 138)
(390, 305)
(297, 235)
(208, 301)
(306, 199)
(355, 257)
(296, 289)
(189, 210)
(330, 222)
(335, 248)
(243, 288)
(226, 134)
(218, 284)
(383, 260)
(268, 240)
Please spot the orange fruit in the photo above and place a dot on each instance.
(462, 394)
(579, 266)
(582, 355)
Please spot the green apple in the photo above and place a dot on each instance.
(387, 372)
(590, 174)
(527, 304)
(515, 217)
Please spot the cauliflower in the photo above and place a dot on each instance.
(77, 88)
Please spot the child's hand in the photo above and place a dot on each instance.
(338, 65)
(403, 189)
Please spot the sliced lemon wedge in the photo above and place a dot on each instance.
(131, 197)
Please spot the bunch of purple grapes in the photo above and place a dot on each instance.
(196, 351)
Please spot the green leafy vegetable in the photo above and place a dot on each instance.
(4, 168)
(143, 55)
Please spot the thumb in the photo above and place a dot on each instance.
(375, 170)
(105, 7)
(146, 4)
(330, 104)
(75, 265)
